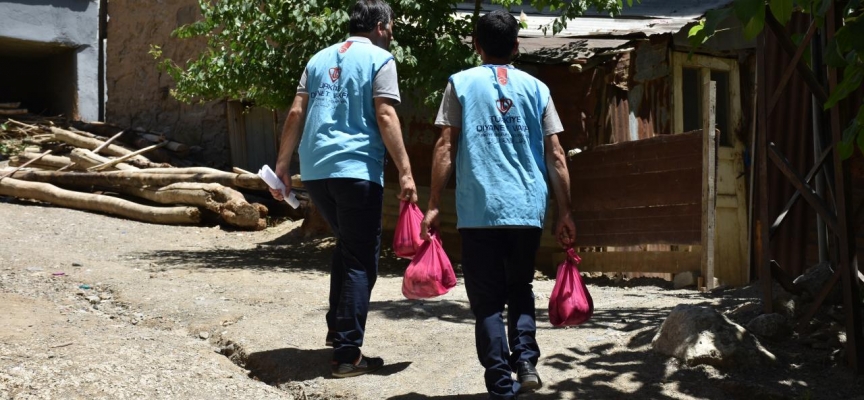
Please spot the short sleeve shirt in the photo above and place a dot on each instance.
(385, 84)
(450, 113)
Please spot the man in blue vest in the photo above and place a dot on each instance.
(344, 110)
(499, 132)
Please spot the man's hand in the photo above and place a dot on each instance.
(430, 221)
(282, 173)
(565, 231)
(409, 190)
(291, 132)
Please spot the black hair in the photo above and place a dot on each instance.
(367, 14)
(496, 34)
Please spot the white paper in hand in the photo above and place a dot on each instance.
(269, 177)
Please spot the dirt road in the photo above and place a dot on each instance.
(98, 307)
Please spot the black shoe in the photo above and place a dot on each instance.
(328, 341)
(364, 365)
(528, 376)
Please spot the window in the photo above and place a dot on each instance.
(688, 94)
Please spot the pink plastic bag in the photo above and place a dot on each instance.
(430, 273)
(406, 240)
(570, 303)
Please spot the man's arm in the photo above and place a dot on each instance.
(291, 132)
(443, 163)
(391, 133)
(559, 177)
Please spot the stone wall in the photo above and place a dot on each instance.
(138, 93)
(37, 30)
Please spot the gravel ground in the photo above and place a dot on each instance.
(105, 308)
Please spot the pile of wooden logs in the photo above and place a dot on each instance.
(74, 168)
(11, 109)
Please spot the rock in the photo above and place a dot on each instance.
(838, 342)
(700, 335)
(815, 278)
(770, 326)
(93, 299)
(745, 312)
(685, 279)
(105, 296)
(204, 335)
(788, 305)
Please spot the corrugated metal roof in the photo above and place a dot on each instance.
(650, 17)
(561, 49)
(645, 8)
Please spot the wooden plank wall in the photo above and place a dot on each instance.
(253, 136)
(644, 192)
(633, 193)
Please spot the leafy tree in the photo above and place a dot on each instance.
(257, 49)
(845, 51)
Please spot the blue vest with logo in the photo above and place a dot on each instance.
(500, 164)
(341, 137)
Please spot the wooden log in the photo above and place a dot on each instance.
(40, 161)
(84, 159)
(177, 147)
(5, 174)
(189, 170)
(10, 105)
(111, 163)
(108, 142)
(228, 203)
(118, 179)
(158, 155)
(98, 128)
(19, 111)
(99, 203)
(91, 144)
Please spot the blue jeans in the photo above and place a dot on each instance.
(352, 208)
(498, 264)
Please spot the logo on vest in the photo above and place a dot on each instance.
(502, 75)
(334, 73)
(504, 105)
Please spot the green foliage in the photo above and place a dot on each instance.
(752, 14)
(707, 27)
(257, 49)
(10, 148)
(843, 52)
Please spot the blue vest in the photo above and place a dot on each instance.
(341, 137)
(500, 164)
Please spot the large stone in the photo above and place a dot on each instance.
(770, 326)
(700, 335)
(685, 279)
(787, 304)
(815, 278)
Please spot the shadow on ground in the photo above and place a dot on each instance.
(275, 367)
(290, 252)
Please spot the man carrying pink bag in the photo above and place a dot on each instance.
(499, 133)
(430, 273)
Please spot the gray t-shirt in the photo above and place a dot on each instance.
(450, 113)
(385, 84)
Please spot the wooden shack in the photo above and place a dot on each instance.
(639, 187)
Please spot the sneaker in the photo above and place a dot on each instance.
(364, 365)
(528, 376)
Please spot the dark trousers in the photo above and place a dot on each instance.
(352, 207)
(498, 265)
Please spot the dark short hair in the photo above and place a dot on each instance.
(367, 14)
(496, 33)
